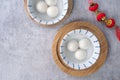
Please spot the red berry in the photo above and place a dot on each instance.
(110, 23)
(118, 33)
(100, 16)
(93, 7)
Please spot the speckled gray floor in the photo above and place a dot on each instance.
(25, 48)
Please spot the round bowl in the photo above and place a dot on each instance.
(93, 52)
(96, 55)
(64, 8)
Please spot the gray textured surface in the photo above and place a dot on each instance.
(25, 48)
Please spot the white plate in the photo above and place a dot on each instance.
(92, 54)
(44, 18)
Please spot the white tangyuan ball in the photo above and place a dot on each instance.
(52, 11)
(72, 45)
(41, 7)
(80, 54)
(84, 44)
(51, 2)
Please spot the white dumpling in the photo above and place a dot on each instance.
(72, 45)
(51, 2)
(84, 44)
(80, 54)
(52, 11)
(41, 7)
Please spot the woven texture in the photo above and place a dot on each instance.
(25, 47)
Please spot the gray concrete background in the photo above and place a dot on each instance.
(25, 48)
